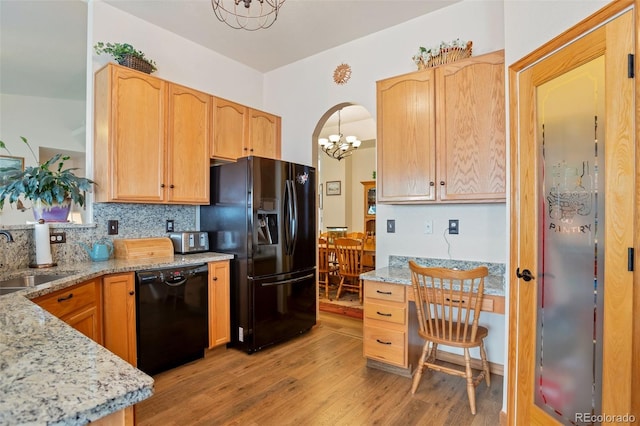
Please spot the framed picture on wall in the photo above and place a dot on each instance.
(333, 187)
(9, 162)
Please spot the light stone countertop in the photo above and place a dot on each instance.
(52, 374)
(398, 272)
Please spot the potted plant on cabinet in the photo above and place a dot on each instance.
(125, 54)
(51, 191)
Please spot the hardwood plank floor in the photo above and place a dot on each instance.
(319, 378)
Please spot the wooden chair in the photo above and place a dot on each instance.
(356, 235)
(448, 306)
(349, 253)
(326, 265)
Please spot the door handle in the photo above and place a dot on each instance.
(525, 275)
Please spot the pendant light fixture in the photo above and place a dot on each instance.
(247, 14)
(338, 147)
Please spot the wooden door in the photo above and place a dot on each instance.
(534, 398)
(470, 129)
(87, 321)
(188, 140)
(219, 304)
(120, 316)
(264, 134)
(229, 127)
(406, 138)
(137, 131)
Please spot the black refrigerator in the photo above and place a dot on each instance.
(263, 211)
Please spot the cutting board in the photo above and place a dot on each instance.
(142, 248)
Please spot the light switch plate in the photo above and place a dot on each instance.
(428, 227)
(391, 226)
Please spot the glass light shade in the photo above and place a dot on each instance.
(351, 139)
(334, 138)
(357, 143)
(323, 141)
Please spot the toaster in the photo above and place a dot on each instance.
(189, 241)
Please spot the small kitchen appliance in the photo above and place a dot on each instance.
(189, 242)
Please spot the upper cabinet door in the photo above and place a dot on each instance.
(406, 138)
(229, 127)
(130, 138)
(188, 139)
(264, 134)
(470, 129)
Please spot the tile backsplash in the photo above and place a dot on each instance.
(134, 221)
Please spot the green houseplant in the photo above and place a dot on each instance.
(49, 186)
(125, 54)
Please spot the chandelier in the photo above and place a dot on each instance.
(337, 147)
(241, 14)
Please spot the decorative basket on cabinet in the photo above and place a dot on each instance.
(445, 53)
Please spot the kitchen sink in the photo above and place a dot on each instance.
(29, 280)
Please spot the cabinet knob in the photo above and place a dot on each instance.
(162, 185)
(131, 293)
(432, 183)
(441, 183)
(171, 186)
(215, 278)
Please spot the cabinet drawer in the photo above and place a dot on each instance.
(395, 313)
(384, 291)
(63, 302)
(385, 345)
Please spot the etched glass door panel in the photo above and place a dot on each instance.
(570, 270)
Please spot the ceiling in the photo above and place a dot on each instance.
(303, 28)
(42, 42)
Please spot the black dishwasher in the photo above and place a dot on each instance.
(171, 316)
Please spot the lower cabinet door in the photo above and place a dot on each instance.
(86, 321)
(385, 345)
(120, 315)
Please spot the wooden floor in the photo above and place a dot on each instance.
(319, 378)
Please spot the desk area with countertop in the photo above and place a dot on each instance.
(390, 338)
(51, 373)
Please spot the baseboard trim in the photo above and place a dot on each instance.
(503, 418)
(475, 363)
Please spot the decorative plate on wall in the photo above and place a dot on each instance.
(342, 74)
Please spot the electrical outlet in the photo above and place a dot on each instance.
(454, 226)
(391, 226)
(57, 237)
(428, 227)
(170, 225)
(112, 227)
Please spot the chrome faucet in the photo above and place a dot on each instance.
(7, 235)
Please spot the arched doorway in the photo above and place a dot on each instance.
(342, 204)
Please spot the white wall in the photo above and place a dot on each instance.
(178, 59)
(45, 122)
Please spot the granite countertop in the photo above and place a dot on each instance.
(52, 374)
(398, 272)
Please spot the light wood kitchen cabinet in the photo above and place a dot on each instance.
(80, 306)
(441, 133)
(385, 324)
(229, 127)
(219, 304)
(151, 140)
(120, 315)
(263, 137)
(240, 131)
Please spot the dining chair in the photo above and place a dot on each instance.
(448, 306)
(356, 235)
(326, 265)
(349, 253)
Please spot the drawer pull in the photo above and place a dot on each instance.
(383, 343)
(383, 314)
(384, 292)
(453, 300)
(62, 299)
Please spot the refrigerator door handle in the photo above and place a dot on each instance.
(290, 222)
(294, 217)
(291, 281)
